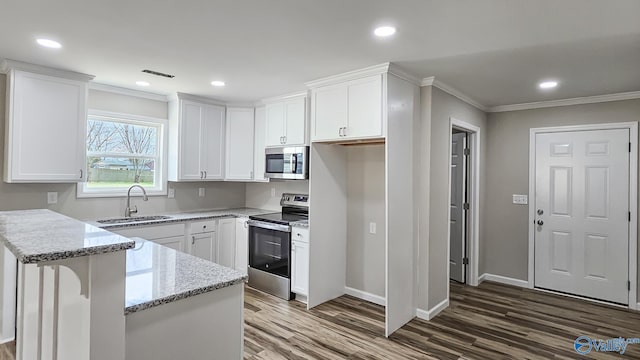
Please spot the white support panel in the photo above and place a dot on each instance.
(328, 211)
(400, 237)
(8, 289)
(206, 326)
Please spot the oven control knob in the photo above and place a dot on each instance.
(267, 265)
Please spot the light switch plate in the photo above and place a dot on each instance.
(52, 198)
(520, 199)
(372, 228)
(201, 192)
(171, 193)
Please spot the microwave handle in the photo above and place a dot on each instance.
(295, 163)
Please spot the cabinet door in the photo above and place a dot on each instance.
(242, 245)
(275, 124)
(295, 121)
(174, 242)
(329, 112)
(365, 108)
(239, 149)
(46, 129)
(191, 121)
(300, 268)
(213, 142)
(203, 245)
(259, 144)
(226, 242)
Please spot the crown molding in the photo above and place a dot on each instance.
(567, 102)
(403, 74)
(7, 65)
(128, 92)
(350, 75)
(297, 94)
(432, 81)
(202, 99)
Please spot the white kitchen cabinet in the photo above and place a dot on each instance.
(300, 261)
(170, 235)
(286, 121)
(45, 125)
(239, 143)
(202, 239)
(259, 144)
(351, 110)
(227, 242)
(242, 245)
(196, 139)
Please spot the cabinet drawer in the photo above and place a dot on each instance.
(152, 232)
(300, 234)
(197, 227)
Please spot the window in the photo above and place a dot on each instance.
(123, 150)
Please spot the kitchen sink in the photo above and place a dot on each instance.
(134, 219)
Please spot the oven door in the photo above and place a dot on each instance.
(270, 248)
(287, 163)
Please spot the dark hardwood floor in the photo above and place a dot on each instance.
(491, 321)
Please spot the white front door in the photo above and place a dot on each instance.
(582, 213)
(458, 220)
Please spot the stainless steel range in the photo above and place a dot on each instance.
(270, 246)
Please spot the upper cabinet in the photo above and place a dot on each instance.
(260, 134)
(286, 121)
(196, 139)
(350, 110)
(240, 143)
(46, 122)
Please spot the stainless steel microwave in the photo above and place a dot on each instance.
(287, 163)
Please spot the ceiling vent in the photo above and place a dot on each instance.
(156, 73)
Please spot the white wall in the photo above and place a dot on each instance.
(258, 195)
(365, 204)
(34, 196)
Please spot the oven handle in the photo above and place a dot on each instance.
(270, 226)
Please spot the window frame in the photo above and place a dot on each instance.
(83, 191)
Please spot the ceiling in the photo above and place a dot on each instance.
(494, 51)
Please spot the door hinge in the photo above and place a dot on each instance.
(465, 261)
(465, 206)
(467, 152)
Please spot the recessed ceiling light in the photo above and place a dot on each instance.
(218, 83)
(49, 43)
(142, 83)
(384, 31)
(548, 84)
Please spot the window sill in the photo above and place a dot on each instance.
(83, 194)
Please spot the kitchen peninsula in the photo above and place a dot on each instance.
(73, 302)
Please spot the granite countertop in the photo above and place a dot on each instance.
(188, 216)
(301, 223)
(36, 236)
(158, 275)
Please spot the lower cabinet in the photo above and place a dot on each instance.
(300, 261)
(170, 235)
(175, 242)
(242, 245)
(227, 242)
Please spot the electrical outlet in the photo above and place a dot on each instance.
(372, 228)
(52, 198)
(520, 199)
(171, 193)
(201, 192)
(273, 192)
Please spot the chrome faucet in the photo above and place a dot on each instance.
(128, 211)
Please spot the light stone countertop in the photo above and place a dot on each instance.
(188, 216)
(36, 236)
(301, 223)
(158, 275)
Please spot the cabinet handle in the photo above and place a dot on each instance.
(200, 174)
(205, 174)
(340, 132)
(81, 173)
(193, 240)
(285, 139)
(344, 131)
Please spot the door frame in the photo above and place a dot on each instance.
(633, 197)
(473, 215)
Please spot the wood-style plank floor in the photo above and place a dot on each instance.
(492, 321)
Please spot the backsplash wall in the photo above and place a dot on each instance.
(258, 195)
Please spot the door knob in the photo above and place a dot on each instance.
(540, 222)
(540, 212)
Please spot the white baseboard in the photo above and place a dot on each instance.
(503, 280)
(431, 313)
(4, 341)
(376, 299)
